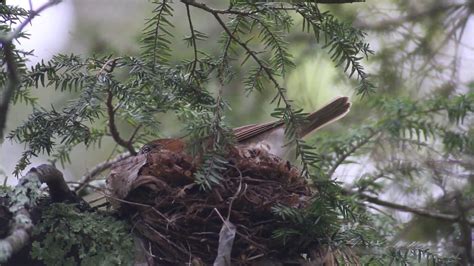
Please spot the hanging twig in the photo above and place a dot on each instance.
(14, 77)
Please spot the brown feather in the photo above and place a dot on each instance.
(329, 113)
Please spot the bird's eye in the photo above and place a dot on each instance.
(145, 149)
(148, 148)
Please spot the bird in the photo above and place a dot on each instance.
(270, 136)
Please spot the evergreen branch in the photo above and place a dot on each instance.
(251, 53)
(256, 11)
(400, 255)
(268, 71)
(155, 44)
(42, 127)
(113, 128)
(236, 25)
(228, 40)
(193, 44)
(217, 11)
(220, 137)
(345, 43)
(109, 67)
(291, 120)
(342, 157)
(134, 133)
(14, 76)
(273, 39)
(11, 15)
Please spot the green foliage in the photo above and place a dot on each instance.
(156, 35)
(9, 16)
(346, 44)
(69, 237)
(318, 222)
(408, 145)
(411, 255)
(405, 122)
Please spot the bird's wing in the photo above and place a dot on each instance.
(244, 133)
(327, 114)
(331, 112)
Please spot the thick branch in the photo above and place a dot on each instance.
(58, 189)
(25, 196)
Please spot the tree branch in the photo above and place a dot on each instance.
(403, 208)
(10, 37)
(193, 44)
(344, 156)
(58, 189)
(252, 54)
(83, 181)
(244, 13)
(113, 128)
(24, 199)
(216, 11)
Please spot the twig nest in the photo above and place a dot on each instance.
(182, 222)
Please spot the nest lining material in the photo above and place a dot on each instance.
(181, 222)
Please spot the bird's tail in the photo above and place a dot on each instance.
(334, 110)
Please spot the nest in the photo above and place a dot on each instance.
(182, 223)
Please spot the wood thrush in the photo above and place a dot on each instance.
(271, 135)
